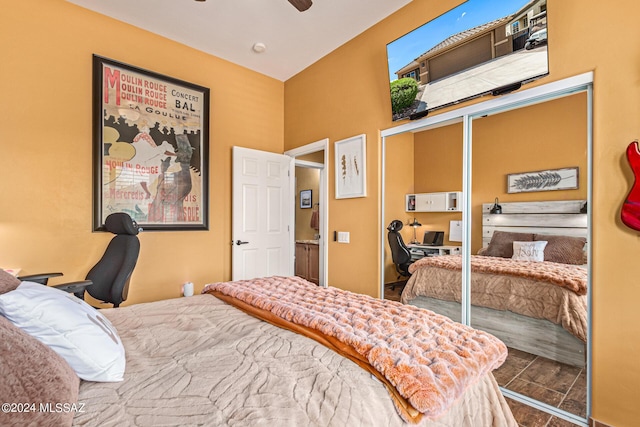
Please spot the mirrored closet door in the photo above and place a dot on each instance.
(523, 269)
(528, 187)
(426, 175)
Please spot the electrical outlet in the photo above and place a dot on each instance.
(343, 237)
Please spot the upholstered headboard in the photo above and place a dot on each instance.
(555, 218)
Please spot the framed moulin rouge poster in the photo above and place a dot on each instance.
(151, 148)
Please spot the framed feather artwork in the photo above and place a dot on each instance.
(546, 180)
(351, 167)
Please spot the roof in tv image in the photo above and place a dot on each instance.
(480, 47)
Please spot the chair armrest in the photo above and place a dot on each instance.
(39, 278)
(76, 288)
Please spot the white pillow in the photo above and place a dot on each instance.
(70, 326)
(529, 251)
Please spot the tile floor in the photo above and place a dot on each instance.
(548, 381)
(554, 383)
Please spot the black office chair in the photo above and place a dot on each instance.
(399, 252)
(108, 280)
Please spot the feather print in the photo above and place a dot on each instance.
(541, 180)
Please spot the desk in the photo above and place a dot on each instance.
(421, 251)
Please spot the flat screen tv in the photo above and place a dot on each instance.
(480, 47)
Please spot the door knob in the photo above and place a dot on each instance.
(240, 242)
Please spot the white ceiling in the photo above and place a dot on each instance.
(228, 29)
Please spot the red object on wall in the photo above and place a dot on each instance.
(630, 213)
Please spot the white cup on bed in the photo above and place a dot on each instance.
(187, 289)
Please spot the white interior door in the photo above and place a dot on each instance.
(262, 214)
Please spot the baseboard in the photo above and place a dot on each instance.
(596, 423)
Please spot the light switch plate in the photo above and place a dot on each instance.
(343, 237)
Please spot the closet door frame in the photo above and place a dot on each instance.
(466, 115)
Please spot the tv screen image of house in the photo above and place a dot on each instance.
(480, 47)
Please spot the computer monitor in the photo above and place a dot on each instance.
(433, 238)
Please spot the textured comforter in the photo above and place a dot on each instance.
(426, 360)
(567, 276)
(199, 361)
(527, 294)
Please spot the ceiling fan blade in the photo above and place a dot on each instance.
(301, 5)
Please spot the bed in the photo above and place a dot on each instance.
(202, 361)
(517, 300)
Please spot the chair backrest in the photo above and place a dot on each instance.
(110, 276)
(399, 252)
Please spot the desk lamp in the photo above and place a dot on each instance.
(415, 224)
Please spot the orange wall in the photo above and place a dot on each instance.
(502, 144)
(399, 152)
(438, 167)
(550, 135)
(45, 129)
(346, 94)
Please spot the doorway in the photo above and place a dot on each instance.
(311, 210)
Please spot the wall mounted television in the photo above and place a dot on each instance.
(481, 47)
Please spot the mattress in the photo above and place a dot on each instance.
(199, 361)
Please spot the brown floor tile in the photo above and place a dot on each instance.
(559, 422)
(576, 400)
(580, 384)
(575, 407)
(394, 294)
(526, 416)
(521, 354)
(551, 374)
(516, 362)
(536, 391)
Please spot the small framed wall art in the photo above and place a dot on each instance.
(305, 199)
(351, 167)
(546, 180)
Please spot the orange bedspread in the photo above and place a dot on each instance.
(427, 359)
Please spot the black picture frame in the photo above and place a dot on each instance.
(150, 148)
(306, 199)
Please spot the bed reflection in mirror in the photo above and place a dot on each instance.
(529, 285)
